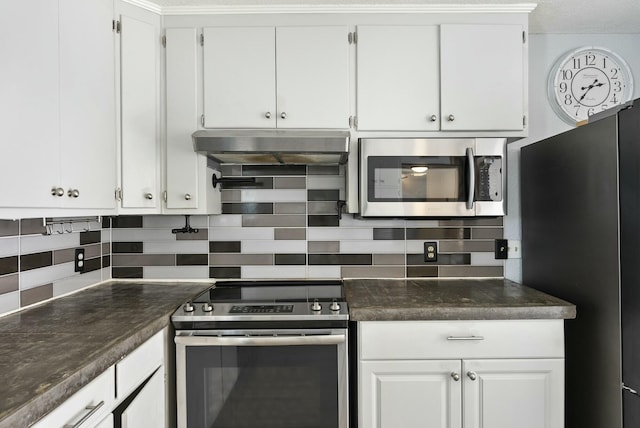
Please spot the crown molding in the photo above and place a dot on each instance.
(333, 8)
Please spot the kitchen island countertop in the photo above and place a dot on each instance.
(450, 299)
(50, 351)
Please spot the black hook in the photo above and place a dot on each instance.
(341, 204)
(187, 227)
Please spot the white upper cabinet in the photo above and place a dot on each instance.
(87, 104)
(482, 77)
(285, 77)
(139, 74)
(398, 78)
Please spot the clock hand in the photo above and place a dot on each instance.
(590, 87)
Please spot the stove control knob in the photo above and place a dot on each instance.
(188, 307)
(335, 306)
(316, 306)
(207, 307)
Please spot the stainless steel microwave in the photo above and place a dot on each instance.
(456, 177)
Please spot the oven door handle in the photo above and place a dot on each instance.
(472, 178)
(328, 339)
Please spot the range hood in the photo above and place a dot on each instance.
(273, 146)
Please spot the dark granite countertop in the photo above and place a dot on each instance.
(50, 351)
(450, 299)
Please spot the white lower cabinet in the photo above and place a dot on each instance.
(131, 393)
(461, 374)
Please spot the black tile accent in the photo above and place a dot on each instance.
(255, 170)
(323, 195)
(224, 246)
(91, 265)
(192, 259)
(443, 259)
(323, 220)
(224, 272)
(290, 259)
(340, 259)
(126, 272)
(388, 234)
(429, 233)
(8, 265)
(127, 247)
(106, 261)
(106, 222)
(36, 260)
(32, 226)
(260, 183)
(422, 271)
(247, 208)
(323, 169)
(92, 237)
(126, 222)
(9, 227)
(477, 221)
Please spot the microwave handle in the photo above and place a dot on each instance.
(472, 178)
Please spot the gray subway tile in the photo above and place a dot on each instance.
(466, 246)
(297, 234)
(290, 259)
(9, 283)
(290, 208)
(443, 259)
(106, 248)
(230, 169)
(91, 237)
(340, 259)
(224, 246)
(273, 170)
(127, 272)
(31, 226)
(422, 271)
(128, 247)
(231, 195)
(388, 259)
(265, 220)
(323, 170)
(247, 208)
(9, 227)
(8, 265)
(192, 259)
(66, 255)
(432, 233)
(201, 235)
(323, 195)
(477, 221)
(323, 207)
(35, 295)
(323, 247)
(35, 260)
(394, 233)
(234, 259)
(143, 260)
(372, 272)
(290, 183)
(91, 251)
(486, 233)
(324, 221)
(225, 272)
(471, 271)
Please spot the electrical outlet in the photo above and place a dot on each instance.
(515, 249)
(501, 249)
(430, 251)
(79, 260)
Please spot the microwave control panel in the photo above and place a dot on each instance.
(488, 178)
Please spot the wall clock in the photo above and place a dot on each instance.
(586, 81)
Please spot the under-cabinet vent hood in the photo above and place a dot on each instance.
(273, 146)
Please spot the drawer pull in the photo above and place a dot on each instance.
(465, 338)
(91, 409)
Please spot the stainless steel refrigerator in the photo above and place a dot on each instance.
(580, 193)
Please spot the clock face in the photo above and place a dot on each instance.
(587, 81)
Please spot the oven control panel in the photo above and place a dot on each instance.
(261, 309)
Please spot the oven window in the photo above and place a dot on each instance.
(416, 179)
(262, 386)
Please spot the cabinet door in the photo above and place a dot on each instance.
(87, 103)
(139, 125)
(398, 78)
(514, 393)
(147, 409)
(312, 77)
(482, 77)
(410, 394)
(239, 77)
(182, 164)
(29, 111)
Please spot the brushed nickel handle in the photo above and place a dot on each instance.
(472, 375)
(472, 178)
(283, 115)
(455, 376)
(268, 115)
(57, 191)
(328, 339)
(451, 118)
(148, 196)
(91, 409)
(187, 197)
(465, 338)
(73, 193)
(433, 118)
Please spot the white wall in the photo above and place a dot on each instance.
(544, 50)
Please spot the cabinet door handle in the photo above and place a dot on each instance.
(91, 411)
(283, 115)
(433, 118)
(73, 193)
(187, 197)
(472, 375)
(451, 118)
(455, 376)
(148, 196)
(57, 191)
(465, 338)
(268, 115)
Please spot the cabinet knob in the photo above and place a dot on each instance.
(455, 376)
(472, 375)
(283, 115)
(57, 191)
(451, 118)
(268, 115)
(73, 193)
(148, 196)
(187, 197)
(433, 118)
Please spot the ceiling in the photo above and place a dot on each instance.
(550, 16)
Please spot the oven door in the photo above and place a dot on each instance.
(431, 177)
(258, 379)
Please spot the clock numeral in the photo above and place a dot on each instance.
(590, 112)
(563, 87)
(577, 107)
(567, 74)
(617, 86)
(576, 63)
(590, 59)
(568, 99)
(614, 73)
(604, 62)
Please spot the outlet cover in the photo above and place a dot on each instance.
(430, 251)
(501, 249)
(79, 260)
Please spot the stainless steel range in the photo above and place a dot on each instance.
(268, 354)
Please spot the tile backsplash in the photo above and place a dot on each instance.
(286, 225)
(35, 266)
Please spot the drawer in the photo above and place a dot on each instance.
(139, 364)
(392, 340)
(88, 405)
